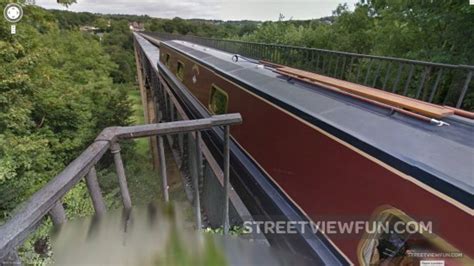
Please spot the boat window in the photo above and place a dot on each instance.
(218, 100)
(180, 71)
(396, 247)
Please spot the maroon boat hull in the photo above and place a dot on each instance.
(326, 177)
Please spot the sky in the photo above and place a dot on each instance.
(208, 9)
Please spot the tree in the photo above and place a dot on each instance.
(66, 3)
(56, 95)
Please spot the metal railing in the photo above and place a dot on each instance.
(438, 83)
(169, 104)
(48, 200)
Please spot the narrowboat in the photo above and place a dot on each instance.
(334, 150)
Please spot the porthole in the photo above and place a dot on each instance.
(398, 245)
(218, 100)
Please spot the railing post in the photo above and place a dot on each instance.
(115, 150)
(94, 191)
(165, 111)
(435, 85)
(336, 65)
(164, 178)
(410, 75)
(387, 75)
(197, 176)
(397, 79)
(359, 69)
(377, 72)
(57, 213)
(368, 72)
(426, 72)
(226, 178)
(351, 63)
(181, 144)
(344, 59)
(464, 89)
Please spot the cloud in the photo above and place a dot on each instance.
(208, 9)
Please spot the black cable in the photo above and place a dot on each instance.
(235, 58)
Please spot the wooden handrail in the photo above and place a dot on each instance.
(25, 221)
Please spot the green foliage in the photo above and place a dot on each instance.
(118, 42)
(56, 95)
(58, 89)
(205, 28)
(36, 250)
(233, 231)
(66, 2)
(439, 31)
(70, 20)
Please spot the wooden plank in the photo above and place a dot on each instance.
(392, 99)
(177, 126)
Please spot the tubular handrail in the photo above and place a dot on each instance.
(440, 83)
(46, 200)
(405, 60)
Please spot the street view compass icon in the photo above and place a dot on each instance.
(13, 13)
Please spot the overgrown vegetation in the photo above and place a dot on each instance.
(56, 94)
(440, 31)
(233, 230)
(59, 87)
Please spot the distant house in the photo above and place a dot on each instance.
(89, 28)
(327, 20)
(136, 26)
(92, 30)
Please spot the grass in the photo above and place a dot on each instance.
(145, 182)
(142, 147)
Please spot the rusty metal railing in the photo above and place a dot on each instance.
(48, 200)
(438, 83)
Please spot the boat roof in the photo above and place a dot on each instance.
(444, 152)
